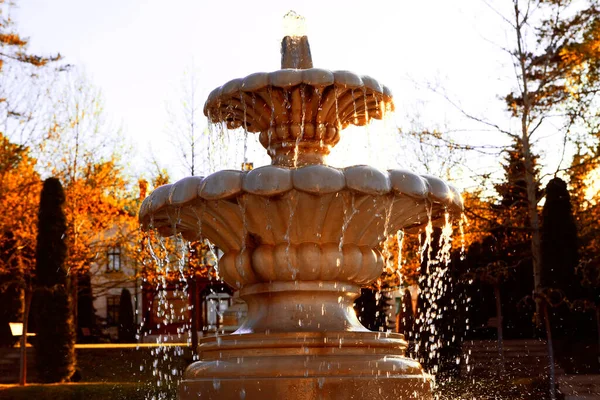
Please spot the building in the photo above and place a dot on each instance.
(168, 310)
(113, 272)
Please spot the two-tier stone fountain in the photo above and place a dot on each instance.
(299, 239)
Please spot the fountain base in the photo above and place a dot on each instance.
(305, 365)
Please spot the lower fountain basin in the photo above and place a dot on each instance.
(400, 387)
(302, 340)
(306, 365)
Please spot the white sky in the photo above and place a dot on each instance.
(136, 51)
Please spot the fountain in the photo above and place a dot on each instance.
(299, 239)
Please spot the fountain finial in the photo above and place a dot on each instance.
(295, 50)
(294, 24)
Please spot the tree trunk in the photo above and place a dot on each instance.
(552, 374)
(534, 224)
(499, 328)
(23, 349)
(536, 243)
(74, 280)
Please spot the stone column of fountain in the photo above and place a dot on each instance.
(299, 239)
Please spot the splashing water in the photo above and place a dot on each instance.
(169, 325)
(428, 337)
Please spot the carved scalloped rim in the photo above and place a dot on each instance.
(273, 180)
(286, 78)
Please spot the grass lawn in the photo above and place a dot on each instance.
(485, 389)
(494, 389)
(82, 391)
(110, 372)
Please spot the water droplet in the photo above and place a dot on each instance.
(321, 382)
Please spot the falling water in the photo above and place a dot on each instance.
(292, 202)
(162, 354)
(271, 122)
(168, 258)
(215, 257)
(337, 109)
(389, 265)
(349, 212)
(245, 124)
(355, 115)
(399, 258)
(435, 247)
(230, 149)
(242, 202)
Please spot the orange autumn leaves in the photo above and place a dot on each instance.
(95, 201)
(12, 45)
(20, 188)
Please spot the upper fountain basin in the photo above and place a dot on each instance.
(318, 222)
(298, 112)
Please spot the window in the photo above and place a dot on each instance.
(215, 304)
(114, 259)
(112, 310)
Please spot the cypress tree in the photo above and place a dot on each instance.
(559, 240)
(55, 350)
(126, 323)
(559, 253)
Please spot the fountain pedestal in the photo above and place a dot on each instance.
(303, 367)
(303, 341)
(299, 240)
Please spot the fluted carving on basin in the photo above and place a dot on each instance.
(303, 262)
(263, 100)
